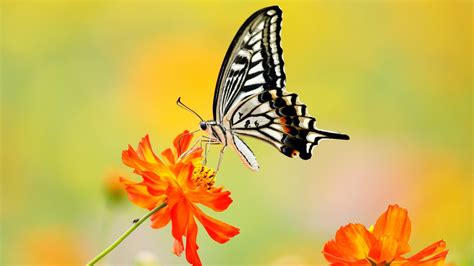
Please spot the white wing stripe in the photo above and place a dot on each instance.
(273, 28)
(272, 133)
(260, 26)
(247, 37)
(273, 19)
(276, 59)
(255, 38)
(256, 80)
(257, 46)
(238, 67)
(273, 37)
(277, 71)
(273, 47)
(257, 57)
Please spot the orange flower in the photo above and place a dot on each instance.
(181, 181)
(113, 189)
(384, 245)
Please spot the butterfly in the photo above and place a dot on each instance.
(250, 97)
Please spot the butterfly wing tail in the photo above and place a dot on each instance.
(300, 140)
(326, 134)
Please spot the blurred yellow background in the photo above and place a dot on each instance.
(81, 80)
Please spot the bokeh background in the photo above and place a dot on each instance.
(81, 80)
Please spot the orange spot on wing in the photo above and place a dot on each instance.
(295, 153)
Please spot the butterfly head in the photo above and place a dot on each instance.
(208, 126)
(203, 125)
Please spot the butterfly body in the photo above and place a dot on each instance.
(250, 98)
(218, 134)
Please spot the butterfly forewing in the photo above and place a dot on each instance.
(253, 63)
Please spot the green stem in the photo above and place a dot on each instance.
(124, 235)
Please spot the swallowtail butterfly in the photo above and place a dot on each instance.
(250, 98)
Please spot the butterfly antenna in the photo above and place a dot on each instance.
(182, 105)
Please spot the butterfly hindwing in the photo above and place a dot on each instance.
(282, 120)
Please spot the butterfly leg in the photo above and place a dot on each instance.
(191, 147)
(207, 141)
(198, 141)
(206, 149)
(221, 154)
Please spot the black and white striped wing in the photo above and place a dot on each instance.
(279, 118)
(251, 99)
(253, 62)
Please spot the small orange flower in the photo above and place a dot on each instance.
(113, 189)
(181, 181)
(384, 245)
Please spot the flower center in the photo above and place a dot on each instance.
(204, 177)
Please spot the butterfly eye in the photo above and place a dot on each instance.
(203, 125)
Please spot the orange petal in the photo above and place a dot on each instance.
(217, 230)
(131, 159)
(191, 155)
(437, 260)
(160, 218)
(351, 245)
(394, 223)
(143, 160)
(191, 246)
(139, 195)
(434, 254)
(181, 142)
(332, 255)
(157, 185)
(179, 219)
(178, 247)
(331, 252)
(169, 156)
(146, 152)
(216, 200)
(384, 250)
(184, 175)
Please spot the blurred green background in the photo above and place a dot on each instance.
(82, 80)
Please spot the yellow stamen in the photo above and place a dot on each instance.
(204, 177)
